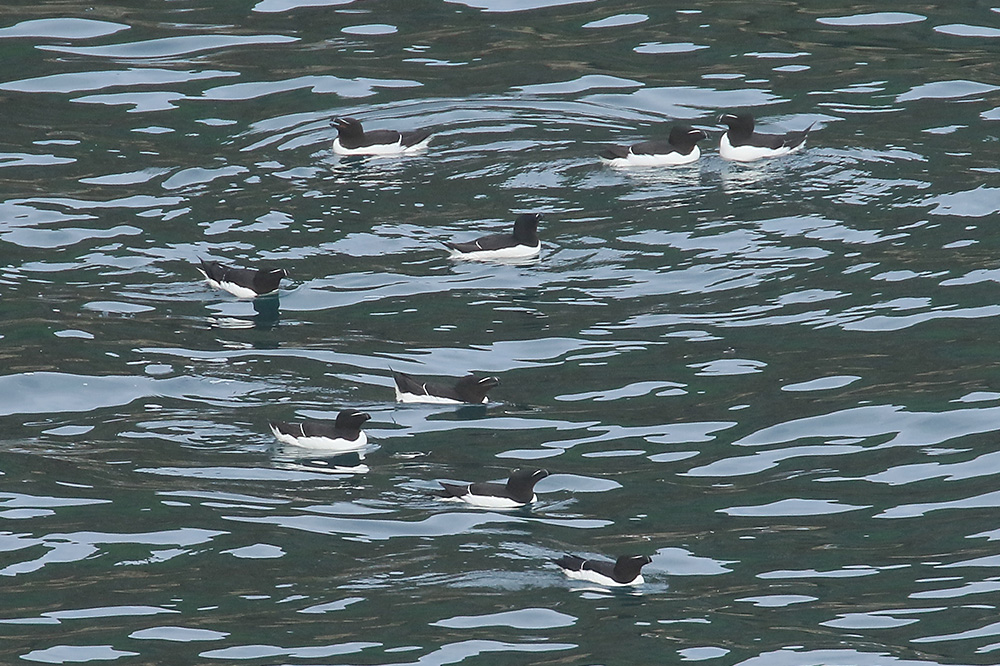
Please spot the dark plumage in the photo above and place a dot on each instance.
(625, 571)
(468, 389)
(241, 282)
(523, 242)
(344, 434)
(352, 139)
(518, 491)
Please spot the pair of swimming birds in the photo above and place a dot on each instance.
(519, 491)
(740, 143)
(345, 434)
(521, 243)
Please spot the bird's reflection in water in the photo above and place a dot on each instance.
(268, 311)
(295, 458)
(266, 315)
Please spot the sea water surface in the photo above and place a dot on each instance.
(779, 380)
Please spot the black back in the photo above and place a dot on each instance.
(414, 137)
(792, 139)
(525, 233)
(654, 148)
(491, 242)
(571, 562)
(408, 383)
(457, 490)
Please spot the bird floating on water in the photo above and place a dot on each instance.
(625, 571)
(741, 143)
(467, 390)
(352, 139)
(518, 491)
(345, 434)
(241, 282)
(681, 147)
(521, 244)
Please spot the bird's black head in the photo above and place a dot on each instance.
(531, 476)
(348, 127)
(352, 419)
(740, 123)
(266, 281)
(685, 136)
(635, 562)
(487, 382)
(526, 228)
(627, 567)
(521, 483)
(474, 389)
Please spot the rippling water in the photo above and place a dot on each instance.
(778, 380)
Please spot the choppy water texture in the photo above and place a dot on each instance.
(779, 380)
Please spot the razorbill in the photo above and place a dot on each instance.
(241, 282)
(518, 491)
(741, 144)
(344, 434)
(625, 571)
(352, 139)
(681, 147)
(468, 389)
(520, 244)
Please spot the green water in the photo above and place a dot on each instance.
(779, 380)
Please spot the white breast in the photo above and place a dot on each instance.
(384, 149)
(661, 159)
(514, 252)
(492, 502)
